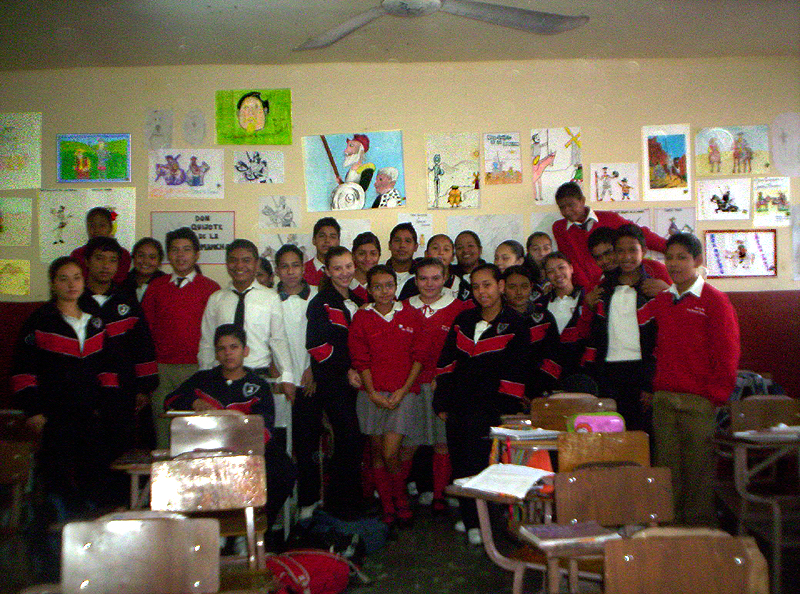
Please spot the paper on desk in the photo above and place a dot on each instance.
(506, 479)
(523, 434)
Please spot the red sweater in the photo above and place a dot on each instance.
(123, 266)
(573, 243)
(311, 275)
(387, 349)
(697, 345)
(174, 316)
(434, 333)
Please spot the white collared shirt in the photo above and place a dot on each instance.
(317, 263)
(696, 289)
(294, 319)
(623, 326)
(481, 327)
(101, 299)
(187, 279)
(263, 325)
(402, 277)
(79, 325)
(396, 306)
(428, 310)
(591, 219)
(562, 309)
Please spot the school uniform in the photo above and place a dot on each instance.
(544, 339)
(129, 284)
(573, 328)
(454, 285)
(314, 272)
(360, 290)
(329, 315)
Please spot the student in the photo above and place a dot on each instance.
(468, 253)
(231, 386)
(329, 315)
(386, 349)
(128, 337)
(402, 245)
(538, 246)
(620, 350)
(697, 356)
(264, 274)
(249, 305)
(326, 235)
(100, 223)
(441, 247)
(147, 257)
(509, 253)
(295, 295)
(480, 376)
(173, 307)
(601, 247)
(571, 232)
(366, 254)
(439, 309)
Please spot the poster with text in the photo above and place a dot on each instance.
(279, 211)
(772, 201)
(502, 161)
(20, 151)
(723, 199)
(15, 221)
(354, 171)
(493, 229)
(669, 221)
(254, 116)
(271, 242)
(666, 158)
(543, 221)
(62, 215)
(556, 156)
(614, 182)
(15, 277)
(423, 225)
(639, 216)
(453, 170)
(187, 173)
(214, 229)
(732, 150)
(258, 167)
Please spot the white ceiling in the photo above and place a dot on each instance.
(36, 34)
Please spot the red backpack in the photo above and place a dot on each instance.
(312, 572)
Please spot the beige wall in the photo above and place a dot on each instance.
(609, 99)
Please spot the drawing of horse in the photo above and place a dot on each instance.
(714, 155)
(538, 170)
(724, 203)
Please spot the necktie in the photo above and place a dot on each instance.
(179, 281)
(238, 317)
(585, 224)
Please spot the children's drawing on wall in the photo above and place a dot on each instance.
(614, 182)
(354, 171)
(351, 228)
(665, 151)
(741, 253)
(272, 242)
(723, 199)
(640, 216)
(15, 221)
(796, 240)
(556, 158)
(94, 157)
(194, 127)
(732, 150)
(423, 225)
(543, 221)
(669, 221)
(279, 211)
(493, 229)
(158, 129)
(15, 277)
(453, 170)
(254, 116)
(502, 161)
(20, 151)
(785, 143)
(258, 167)
(186, 173)
(772, 201)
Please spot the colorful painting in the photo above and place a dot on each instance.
(423, 225)
(20, 151)
(741, 253)
(94, 157)
(771, 196)
(667, 159)
(187, 173)
(493, 229)
(279, 211)
(215, 230)
(614, 182)
(453, 170)
(556, 158)
(258, 167)
(723, 199)
(502, 161)
(15, 277)
(669, 221)
(543, 221)
(254, 116)
(354, 171)
(785, 143)
(15, 221)
(272, 242)
(62, 215)
(732, 150)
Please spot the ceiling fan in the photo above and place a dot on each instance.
(542, 23)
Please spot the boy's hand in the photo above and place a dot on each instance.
(653, 286)
(354, 379)
(36, 423)
(289, 390)
(593, 297)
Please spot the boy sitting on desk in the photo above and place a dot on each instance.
(231, 386)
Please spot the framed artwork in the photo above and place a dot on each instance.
(741, 253)
(93, 157)
(254, 116)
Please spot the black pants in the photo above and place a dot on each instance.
(306, 431)
(469, 449)
(624, 381)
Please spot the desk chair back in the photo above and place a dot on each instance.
(764, 411)
(665, 565)
(141, 553)
(231, 433)
(553, 413)
(577, 449)
(615, 496)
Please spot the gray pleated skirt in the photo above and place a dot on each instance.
(374, 420)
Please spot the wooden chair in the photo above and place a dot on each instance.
(577, 449)
(552, 413)
(217, 431)
(707, 563)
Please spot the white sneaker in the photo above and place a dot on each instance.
(474, 537)
(459, 527)
(425, 498)
(412, 489)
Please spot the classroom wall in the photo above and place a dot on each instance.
(609, 99)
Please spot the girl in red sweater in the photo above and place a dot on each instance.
(386, 349)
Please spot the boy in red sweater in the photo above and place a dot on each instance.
(697, 357)
(572, 233)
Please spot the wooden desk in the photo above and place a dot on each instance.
(138, 463)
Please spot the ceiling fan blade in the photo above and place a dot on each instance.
(543, 23)
(342, 30)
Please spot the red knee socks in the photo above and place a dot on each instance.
(441, 474)
(384, 485)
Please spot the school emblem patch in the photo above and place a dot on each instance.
(501, 328)
(97, 322)
(250, 389)
(537, 317)
(123, 309)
